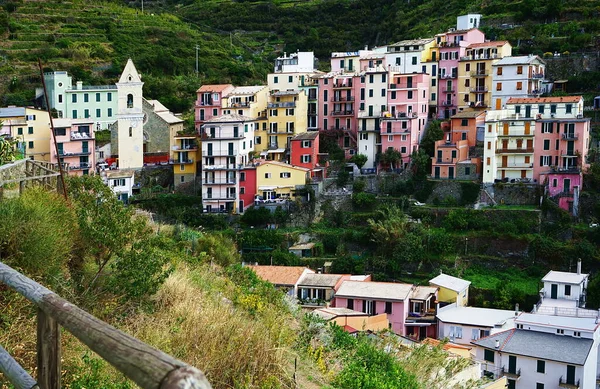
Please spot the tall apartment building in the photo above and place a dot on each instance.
(76, 145)
(227, 142)
(408, 56)
(372, 104)
(475, 80)
(541, 140)
(450, 47)
(520, 76)
(30, 127)
(209, 102)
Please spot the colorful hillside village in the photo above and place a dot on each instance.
(261, 143)
(552, 345)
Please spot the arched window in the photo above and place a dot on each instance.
(130, 101)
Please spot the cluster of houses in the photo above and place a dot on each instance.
(553, 346)
(261, 142)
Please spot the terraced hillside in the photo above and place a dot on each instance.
(92, 40)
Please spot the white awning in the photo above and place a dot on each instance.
(267, 187)
(276, 151)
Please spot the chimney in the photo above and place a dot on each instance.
(79, 85)
(497, 343)
(517, 309)
(534, 310)
(578, 265)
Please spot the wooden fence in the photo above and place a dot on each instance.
(143, 364)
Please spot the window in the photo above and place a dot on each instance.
(545, 160)
(242, 176)
(73, 98)
(552, 108)
(370, 78)
(285, 175)
(30, 144)
(467, 171)
(546, 144)
(388, 307)
(30, 130)
(267, 175)
(325, 110)
(97, 97)
(74, 114)
(560, 331)
(393, 95)
(390, 138)
(456, 332)
(519, 326)
(517, 109)
(577, 334)
(383, 79)
(488, 161)
(60, 98)
(464, 122)
(130, 132)
(350, 303)
(86, 98)
(130, 101)
(541, 366)
(547, 127)
(414, 60)
(488, 355)
(109, 113)
(499, 86)
(539, 385)
(519, 85)
(569, 108)
(567, 290)
(554, 182)
(306, 144)
(290, 78)
(242, 190)
(60, 131)
(433, 97)
(499, 72)
(370, 92)
(119, 182)
(289, 112)
(305, 158)
(276, 80)
(519, 69)
(409, 95)
(86, 113)
(383, 93)
(98, 112)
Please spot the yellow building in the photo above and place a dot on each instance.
(286, 118)
(31, 128)
(452, 289)
(279, 180)
(475, 73)
(249, 101)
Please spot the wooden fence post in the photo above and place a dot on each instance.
(48, 351)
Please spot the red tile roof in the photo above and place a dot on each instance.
(530, 100)
(487, 44)
(214, 88)
(279, 275)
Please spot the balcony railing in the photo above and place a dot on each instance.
(342, 98)
(478, 104)
(568, 153)
(81, 166)
(516, 166)
(479, 56)
(516, 133)
(286, 104)
(403, 85)
(220, 181)
(213, 197)
(73, 153)
(446, 161)
(511, 373)
(568, 384)
(448, 90)
(399, 115)
(448, 104)
(245, 104)
(479, 89)
(570, 136)
(204, 103)
(537, 75)
(339, 84)
(81, 136)
(181, 161)
(515, 150)
(220, 153)
(185, 147)
(479, 73)
(343, 113)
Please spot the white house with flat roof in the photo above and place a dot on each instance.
(564, 293)
(462, 325)
(543, 352)
(120, 182)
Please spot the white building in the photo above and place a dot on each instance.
(543, 352)
(227, 141)
(468, 21)
(462, 325)
(406, 56)
(120, 182)
(520, 76)
(299, 62)
(130, 115)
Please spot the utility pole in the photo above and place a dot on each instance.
(197, 48)
(142, 6)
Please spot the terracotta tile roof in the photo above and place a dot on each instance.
(447, 345)
(533, 100)
(280, 275)
(487, 44)
(214, 88)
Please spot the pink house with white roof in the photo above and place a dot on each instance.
(76, 145)
(451, 47)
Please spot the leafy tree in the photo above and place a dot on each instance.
(342, 178)
(391, 157)
(106, 226)
(420, 164)
(7, 149)
(359, 159)
(433, 133)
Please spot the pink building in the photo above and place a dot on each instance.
(247, 186)
(402, 126)
(337, 113)
(409, 309)
(451, 46)
(76, 145)
(208, 104)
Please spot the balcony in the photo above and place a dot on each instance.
(448, 104)
(81, 136)
(81, 166)
(449, 90)
(565, 169)
(204, 103)
(220, 181)
(510, 373)
(570, 136)
(83, 152)
(516, 166)
(403, 85)
(399, 115)
(222, 167)
(537, 75)
(239, 135)
(477, 57)
(568, 153)
(181, 161)
(312, 112)
(520, 134)
(343, 85)
(479, 73)
(445, 161)
(229, 196)
(343, 113)
(340, 128)
(342, 98)
(515, 150)
(185, 147)
(479, 89)
(287, 104)
(239, 104)
(478, 104)
(220, 153)
(534, 92)
(565, 194)
(448, 76)
(568, 384)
